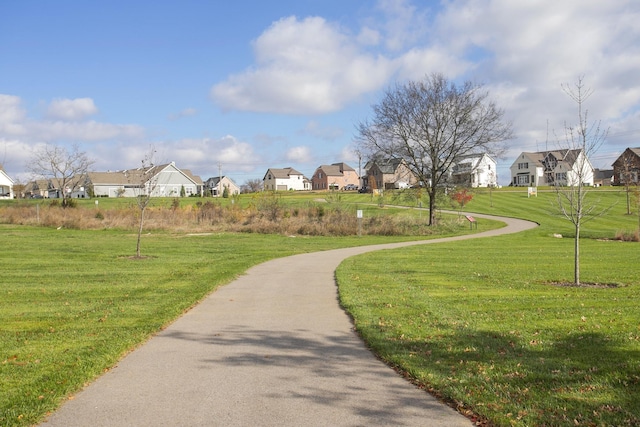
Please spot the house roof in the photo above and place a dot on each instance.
(214, 180)
(4, 174)
(283, 173)
(388, 165)
(138, 175)
(620, 160)
(331, 170)
(569, 156)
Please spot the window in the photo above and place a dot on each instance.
(523, 179)
(523, 165)
(561, 176)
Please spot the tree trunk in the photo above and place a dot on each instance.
(432, 206)
(576, 264)
(140, 233)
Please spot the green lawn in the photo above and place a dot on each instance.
(478, 321)
(73, 302)
(482, 324)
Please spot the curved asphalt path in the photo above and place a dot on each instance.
(272, 348)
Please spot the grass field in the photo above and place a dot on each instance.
(476, 322)
(73, 302)
(482, 325)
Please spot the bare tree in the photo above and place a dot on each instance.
(431, 124)
(252, 186)
(628, 166)
(144, 182)
(581, 141)
(66, 168)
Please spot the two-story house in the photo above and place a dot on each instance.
(6, 185)
(388, 173)
(336, 176)
(216, 186)
(284, 179)
(475, 170)
(559, 167)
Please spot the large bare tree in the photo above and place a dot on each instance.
(583, 140)
(431, 124)
(67, 168)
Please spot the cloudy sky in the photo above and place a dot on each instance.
(246, 85)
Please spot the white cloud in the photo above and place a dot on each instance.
(303, 67)
(12, 115)
(71, 109)
(299, 154)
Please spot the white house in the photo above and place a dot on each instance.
(559, 167)
(162, 180)
(216, 186)
(6, 185)
(475, 170)
(285, 179)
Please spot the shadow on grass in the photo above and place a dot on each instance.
(583, 378)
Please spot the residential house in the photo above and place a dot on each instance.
(215, 186)
(37, 189)
(388, 173)
(285, 179)
(559, 167)
(334, 177)
(6, 185)
(602, 177)
(475, 170)
(161, 180)
(626, 168)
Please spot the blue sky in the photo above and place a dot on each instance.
(250, 85)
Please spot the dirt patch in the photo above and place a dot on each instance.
(584, 285)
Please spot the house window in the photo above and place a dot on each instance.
(523, 165)
(561, 176)
(523, 179)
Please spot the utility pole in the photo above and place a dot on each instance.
(219, 179)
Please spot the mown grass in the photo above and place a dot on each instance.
(481, 324)
(73, 302)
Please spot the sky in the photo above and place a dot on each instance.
(242, 86)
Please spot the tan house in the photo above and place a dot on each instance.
(389, 173)
(626, 168)
(216, 186)
(337, 176)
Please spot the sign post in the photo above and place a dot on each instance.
(359, 216)
(472, 222)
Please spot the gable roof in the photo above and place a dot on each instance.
(284, 173)
(139, 175)
(388, 165)
(564, 155)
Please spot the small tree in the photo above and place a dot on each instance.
(144, 182)
(583, 140)
(252, 186)
(461, 197)
(628, 175)
(66, 168)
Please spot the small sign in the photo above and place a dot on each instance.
(359, 213)
(472, 221)
(532, 191)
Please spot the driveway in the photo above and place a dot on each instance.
(272, 348)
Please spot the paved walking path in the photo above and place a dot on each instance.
(273, 348)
